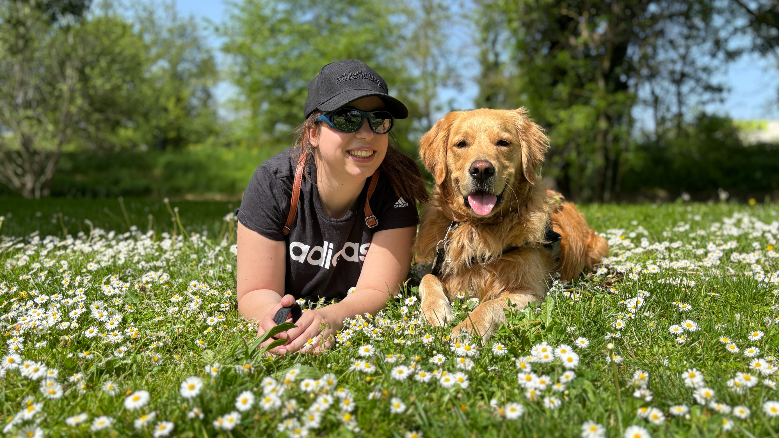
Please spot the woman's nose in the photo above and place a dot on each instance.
(365, 129)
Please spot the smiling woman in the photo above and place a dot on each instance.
(334, 213)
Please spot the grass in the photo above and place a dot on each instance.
(172, 300)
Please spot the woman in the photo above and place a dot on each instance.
(354, 220)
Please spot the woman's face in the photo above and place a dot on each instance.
(351, 154)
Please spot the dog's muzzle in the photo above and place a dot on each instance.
(482, 199)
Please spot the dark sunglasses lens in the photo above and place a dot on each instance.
(347, 120)
(381, 122)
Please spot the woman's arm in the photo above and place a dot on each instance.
(261, 271)
(385, 267)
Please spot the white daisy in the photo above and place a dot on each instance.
(136, 400)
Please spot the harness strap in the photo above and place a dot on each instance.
(370, 219)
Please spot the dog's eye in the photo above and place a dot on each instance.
(503, 142)
(461, 144)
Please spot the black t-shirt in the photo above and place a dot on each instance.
(324, 256)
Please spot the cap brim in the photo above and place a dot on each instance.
(392, 105)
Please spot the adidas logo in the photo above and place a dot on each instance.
(401, 203)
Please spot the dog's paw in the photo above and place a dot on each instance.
(438, 312)
(463, 330)
(467, 330)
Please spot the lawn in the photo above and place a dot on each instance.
(127, 327)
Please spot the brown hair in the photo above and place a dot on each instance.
(403, 173)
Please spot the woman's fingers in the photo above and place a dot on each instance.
(267, 322)
(310, 328)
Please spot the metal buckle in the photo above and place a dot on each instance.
(371, 221)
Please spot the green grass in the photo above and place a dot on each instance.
(730, 299)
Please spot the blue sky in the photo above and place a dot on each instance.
(753, 83)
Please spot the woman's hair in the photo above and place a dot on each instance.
(403, 172)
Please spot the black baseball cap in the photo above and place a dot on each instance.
(341, 82)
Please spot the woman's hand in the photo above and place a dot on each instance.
(315, 332)
(267, 323)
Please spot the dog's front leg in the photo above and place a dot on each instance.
(435, 305)
(487, 317)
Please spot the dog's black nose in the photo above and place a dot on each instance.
(480, 170)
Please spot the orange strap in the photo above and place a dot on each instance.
(370, 219)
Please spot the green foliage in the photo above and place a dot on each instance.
(153, 281)
(706, 156)
(277, 47)
(583, 69)
(204, 170)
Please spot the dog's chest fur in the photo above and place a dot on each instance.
(474, 259)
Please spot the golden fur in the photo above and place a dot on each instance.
(514, 147)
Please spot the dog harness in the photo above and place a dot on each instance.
(552, 241)
(370, 220)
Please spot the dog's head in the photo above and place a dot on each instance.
(482, 160)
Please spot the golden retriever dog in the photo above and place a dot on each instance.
(492, 229)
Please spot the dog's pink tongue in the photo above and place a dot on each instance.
(482, 203)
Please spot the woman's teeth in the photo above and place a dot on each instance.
(361, 154)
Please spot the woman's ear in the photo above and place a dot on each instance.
(534, 145)
(432, 147)
(312, 134)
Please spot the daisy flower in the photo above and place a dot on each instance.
(591, 429)
(513, 410)
(51, 389)
(755, 335)
(143, 420)
(771, 408)
(270, 402)
(76, 419)
(703, 395)
(499, 349)
(400, 372)
(423, 376)
(461, 379)
(366, 350)
(636, 432)
(227, 421)
(191, 387)
(655, 416)
(244, 401)
(162, 429)
(110, 387)
(570, 360)
(581, 343)
(732, 348)
(438, 359)
(101, 422)
(678, 410)
(397, 406)
(689, 325)
(675, 329)
(213, 370)
(693, 378)
(136, 400)
(552, 402)
(567, 376)
(741, 412)
(640, 378)
(751, 352)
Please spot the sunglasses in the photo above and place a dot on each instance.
(350, 120)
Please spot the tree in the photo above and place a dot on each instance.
(59, 81)
(277, 46)
(580, 68)
(180, 71)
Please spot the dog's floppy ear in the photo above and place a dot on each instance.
(534, 144)
(432, 147)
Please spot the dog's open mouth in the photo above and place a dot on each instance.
(482, 203)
